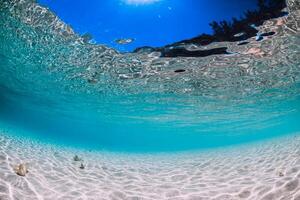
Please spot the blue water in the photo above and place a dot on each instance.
(65, 91)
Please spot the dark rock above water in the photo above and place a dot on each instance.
(182, 52)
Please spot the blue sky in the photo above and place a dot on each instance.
(155, 23)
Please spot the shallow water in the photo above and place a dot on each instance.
(146, 127)
(63, 90)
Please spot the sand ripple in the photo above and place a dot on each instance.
(266, 170)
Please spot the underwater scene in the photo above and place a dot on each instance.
(129, 110)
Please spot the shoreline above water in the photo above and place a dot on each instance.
(268, 169)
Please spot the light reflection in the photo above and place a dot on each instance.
(140, 2)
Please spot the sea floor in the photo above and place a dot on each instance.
(263, 170)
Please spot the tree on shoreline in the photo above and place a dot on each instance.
(267, 9)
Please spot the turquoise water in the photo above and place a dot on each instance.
(64, 90)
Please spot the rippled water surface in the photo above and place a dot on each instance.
(62, 89)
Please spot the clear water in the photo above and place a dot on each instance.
(64, 90)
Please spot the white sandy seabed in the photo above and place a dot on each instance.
(264, 170)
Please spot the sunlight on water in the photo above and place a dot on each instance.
(140, 2)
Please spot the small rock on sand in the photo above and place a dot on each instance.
(76, 158)
(280, 174)
(21, 170)
(82, 166)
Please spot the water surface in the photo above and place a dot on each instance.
(64, 90)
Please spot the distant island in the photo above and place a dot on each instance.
(225, 31)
